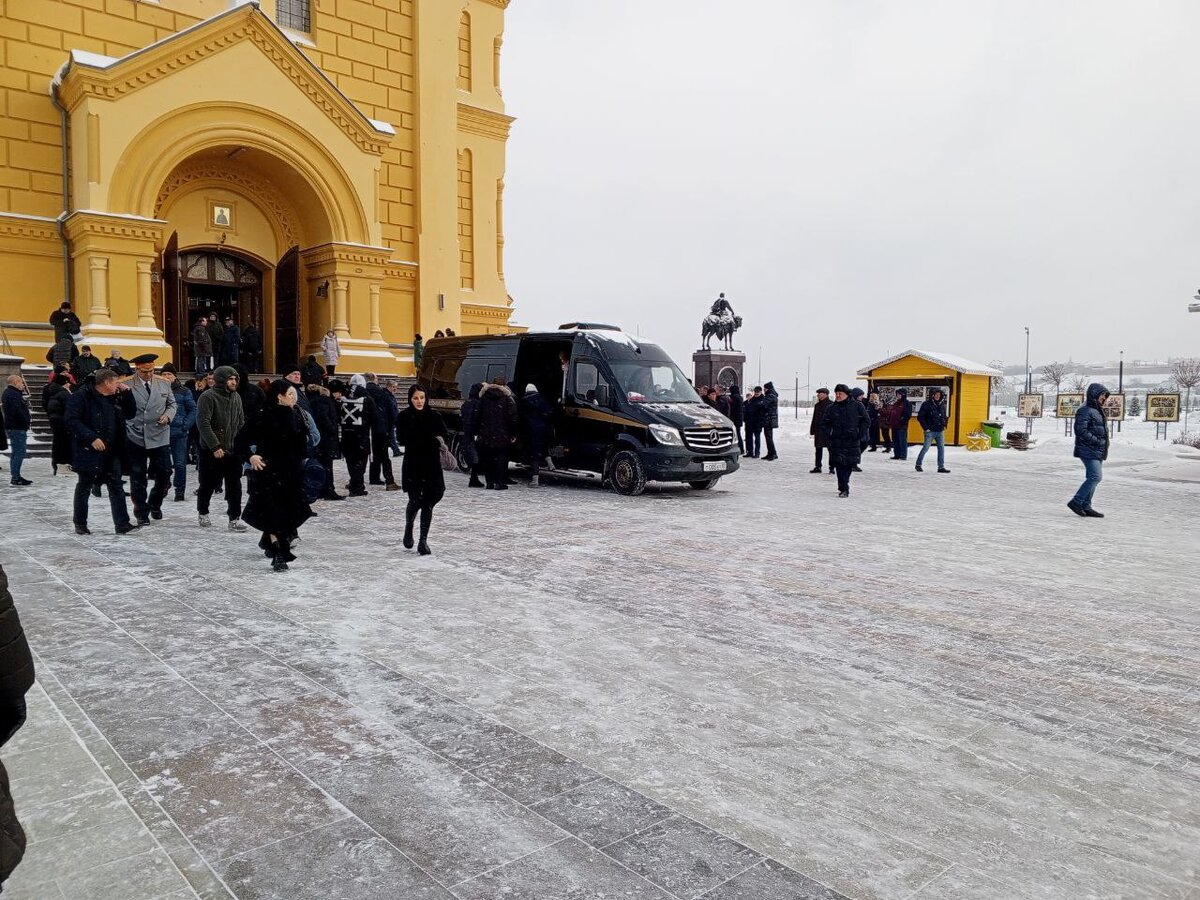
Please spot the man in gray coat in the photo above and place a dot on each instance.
(148, 439)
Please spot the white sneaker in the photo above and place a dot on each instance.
(238, 525)
(205, 521)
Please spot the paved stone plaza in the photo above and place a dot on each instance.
(943, 687)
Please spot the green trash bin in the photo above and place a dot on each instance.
(992, 430)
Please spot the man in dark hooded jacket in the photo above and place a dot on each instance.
(252, 347)
(470, 447)
(535, 423)
(495, 430)
(1091, 448)
(933, 418)
(817, 429)
(253, 398)
(96, 415)
(16, 678)
(846, 424)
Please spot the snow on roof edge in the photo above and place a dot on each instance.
(947, 360)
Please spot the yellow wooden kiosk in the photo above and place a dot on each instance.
(967, 385)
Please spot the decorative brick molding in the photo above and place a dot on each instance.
(243, 23)
(353, 254)
(484, 122)
(261, 191)
(26, 227)
(85, 222)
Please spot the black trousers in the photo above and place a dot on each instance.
(843, 476)
(355, 450)
(769, 435)
(145, 464)
(109, 475)
(820, 453)
(737, 429)
(213, 471)
(495, 464)
(381, 458)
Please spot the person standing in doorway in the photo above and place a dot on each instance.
(845, 422)
(216, 334)
(1091, 448)
(817, 429)
(252, 348)
(332, 351)
(535, 415)
(17, 421)
(220, 417)
(202, 346)
(899, 414)
(418, 350)
(231, 343)
(770, 419)
(96, 415)
(421, 431)
(933, 418)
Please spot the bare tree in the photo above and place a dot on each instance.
(1186, 374)
(1079, 383)
(1054, 373)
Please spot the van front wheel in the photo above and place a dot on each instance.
(626, 473)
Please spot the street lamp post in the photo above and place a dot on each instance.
(1028, 371)
(1121, 382)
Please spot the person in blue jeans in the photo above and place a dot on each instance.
(899, 412)
(16, 425)
(1091, 448)
(933, 417)
(181, 427)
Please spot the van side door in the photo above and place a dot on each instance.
(589, 426)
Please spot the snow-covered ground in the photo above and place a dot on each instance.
(946, 686)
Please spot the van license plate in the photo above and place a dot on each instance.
(718, 466)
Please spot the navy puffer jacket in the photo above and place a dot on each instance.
(932, 414)
(1091, 431)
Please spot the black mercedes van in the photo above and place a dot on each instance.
(623, 411)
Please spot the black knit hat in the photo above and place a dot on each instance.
(841, 389)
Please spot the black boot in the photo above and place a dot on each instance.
(409, 515)
(426, 521)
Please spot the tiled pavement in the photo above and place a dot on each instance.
(754, 693)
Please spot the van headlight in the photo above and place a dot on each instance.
(667, 436)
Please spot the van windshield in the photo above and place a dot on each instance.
(647, 381)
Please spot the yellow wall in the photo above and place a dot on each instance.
(966, 411)
(404, 62)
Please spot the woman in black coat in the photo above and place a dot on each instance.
(846, 423)
(275, 444)
(56, 397)
(419, 428)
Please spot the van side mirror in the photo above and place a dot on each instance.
(603, 396)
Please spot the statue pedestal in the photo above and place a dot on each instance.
(722, 367)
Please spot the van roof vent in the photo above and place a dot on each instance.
(587, 326)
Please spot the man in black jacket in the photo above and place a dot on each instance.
(846, 424)
(96, 415)
(325, 414)
(16, 678)
(17, 421)
(735, 414)
(383, 426)
(752, 412)
(85, 364)
(933, 417)
(65, 322)
(817, 429)
(770, 418)
(355, 412)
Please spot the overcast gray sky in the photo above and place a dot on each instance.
(859, 177)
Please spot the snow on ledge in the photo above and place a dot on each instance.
(383, 127)
(95, 60)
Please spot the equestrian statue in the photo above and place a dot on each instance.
(721, 322)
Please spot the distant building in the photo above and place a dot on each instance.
(303, 166)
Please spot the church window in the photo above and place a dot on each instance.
(294, 14)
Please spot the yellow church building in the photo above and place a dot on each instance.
(302, 165)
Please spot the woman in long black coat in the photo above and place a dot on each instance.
(56, 397)
(418, 427)
(275, 444)
(846, 423)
